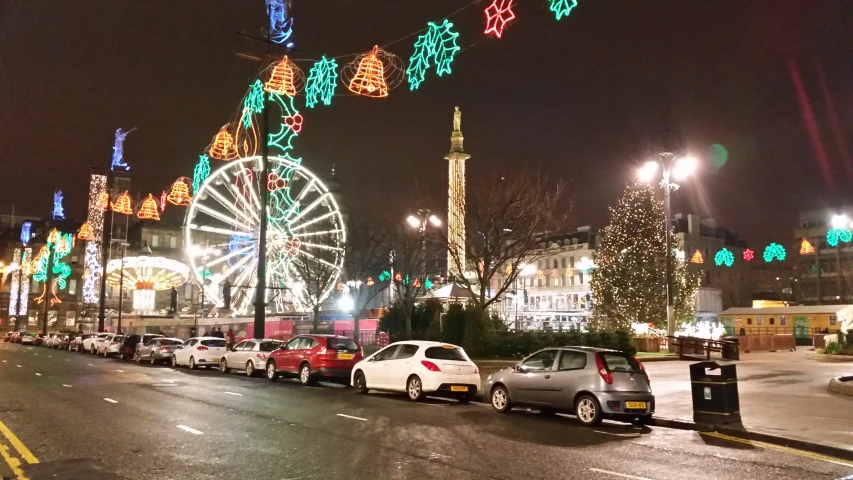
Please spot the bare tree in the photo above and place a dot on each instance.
(315, 266)
(409, 257)
(508, 221)
(367, 257)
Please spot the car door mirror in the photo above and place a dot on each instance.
(518, 367)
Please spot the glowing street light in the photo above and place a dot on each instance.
(840, 221)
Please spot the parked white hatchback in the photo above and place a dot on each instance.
(110, 345)
(199, 352)
(249, 356)
(90, 345)
(419, 368)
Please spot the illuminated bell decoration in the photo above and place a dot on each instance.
(369, 281)
(86, 231)
(697, 257)
(180, 193)
(398, 277)
(508, 270)
(148, 210)
(223, 146)
(285, 78)
(369, 79)
(806, 247)
(123, 204)
(417, 283)
(540, 275)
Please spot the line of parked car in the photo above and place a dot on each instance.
(590, 383)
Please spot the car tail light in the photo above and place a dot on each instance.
(201, 349)
(476, 370)
(261, 356)
(430, 366)
(648, 380)
(605, 375)
(113, 343)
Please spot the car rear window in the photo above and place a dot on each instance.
(269, 346)
(446, 353)
(620, 362)
(171, 342)
(118, 338)
(341, 344)
(213, 343)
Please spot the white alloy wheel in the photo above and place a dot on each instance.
(500, 399)
(588, 411)
(414, 388)
(223, 366)
(250, 369)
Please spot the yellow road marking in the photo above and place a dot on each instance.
(22, 450)
(13, 462)
(803, 453)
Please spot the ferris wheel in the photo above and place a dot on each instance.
(304, 227)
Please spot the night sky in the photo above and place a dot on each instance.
(586, 98)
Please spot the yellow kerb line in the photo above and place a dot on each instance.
(803, 453)
(22, 450)
(13, 462)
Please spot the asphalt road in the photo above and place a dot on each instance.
(85, 417)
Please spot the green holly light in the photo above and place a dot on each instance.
(834, 235)
(774, 251)
(437, 45)
(562, 8)
(201, 172)
(724, 257)
(321, 83)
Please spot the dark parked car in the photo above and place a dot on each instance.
(40, 339)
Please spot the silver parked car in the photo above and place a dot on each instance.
(591, 383)
(249, 356)
(157, 350)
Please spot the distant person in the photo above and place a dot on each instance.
(231, 338)
(226, 294)
(742, 332)
(173, 300)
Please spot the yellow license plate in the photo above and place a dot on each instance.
(346, 356)
(455, 388)
(635, 405)
(214, 359)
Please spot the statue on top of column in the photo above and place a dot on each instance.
(457, 120)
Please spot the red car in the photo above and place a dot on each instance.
(315, 357)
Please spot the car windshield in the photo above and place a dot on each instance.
(448, 352)
(333, 343)
(620, 362)
(213, 343)
(269, 346)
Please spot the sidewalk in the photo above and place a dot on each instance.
(781, 393)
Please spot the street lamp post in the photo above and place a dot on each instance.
(678, 165)
(426, 218)
(123, 246)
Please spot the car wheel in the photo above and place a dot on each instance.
(223, 366)
(93, 351)
(136, 358)
(500, 399)
(174, 361)
(250, 369)
(192, 363)
(588, 410)
(151, 359)
(305, 374)
(272, 375)
(415, 389)
(360, 383)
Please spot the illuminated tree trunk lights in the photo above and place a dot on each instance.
(456, 198)
(98, 201)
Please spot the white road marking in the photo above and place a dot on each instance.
(111, 400)
(38, 374)
(434, 404)
(67, 360)
(89, 364)
(191, 430)
(19, 366)
(68, 386)
(235, 394)
(50, 356)
(350, 416)
(120, 371)
(616, 474)
(37, 354)
(618, 434)
(169, 381)
(4, 361)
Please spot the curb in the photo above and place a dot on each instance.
(822, 357)
(842, 385)
(828, 448)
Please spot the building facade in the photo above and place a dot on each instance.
(822, 265)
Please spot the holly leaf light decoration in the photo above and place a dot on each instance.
(724, 257)
(201, 172)
(835, 235)
(254, 102)
(562, 8)
(436, 47)
(321, 83)
(498, 14)
(774, 251)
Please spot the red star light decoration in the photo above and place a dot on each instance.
(748, 255)
(497, 15)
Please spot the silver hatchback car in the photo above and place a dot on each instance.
(591, 383)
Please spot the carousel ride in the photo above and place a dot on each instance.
(305, 229)
(145, 275)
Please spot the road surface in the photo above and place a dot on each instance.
(66, 415)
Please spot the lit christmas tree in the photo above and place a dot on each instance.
(629, 281)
